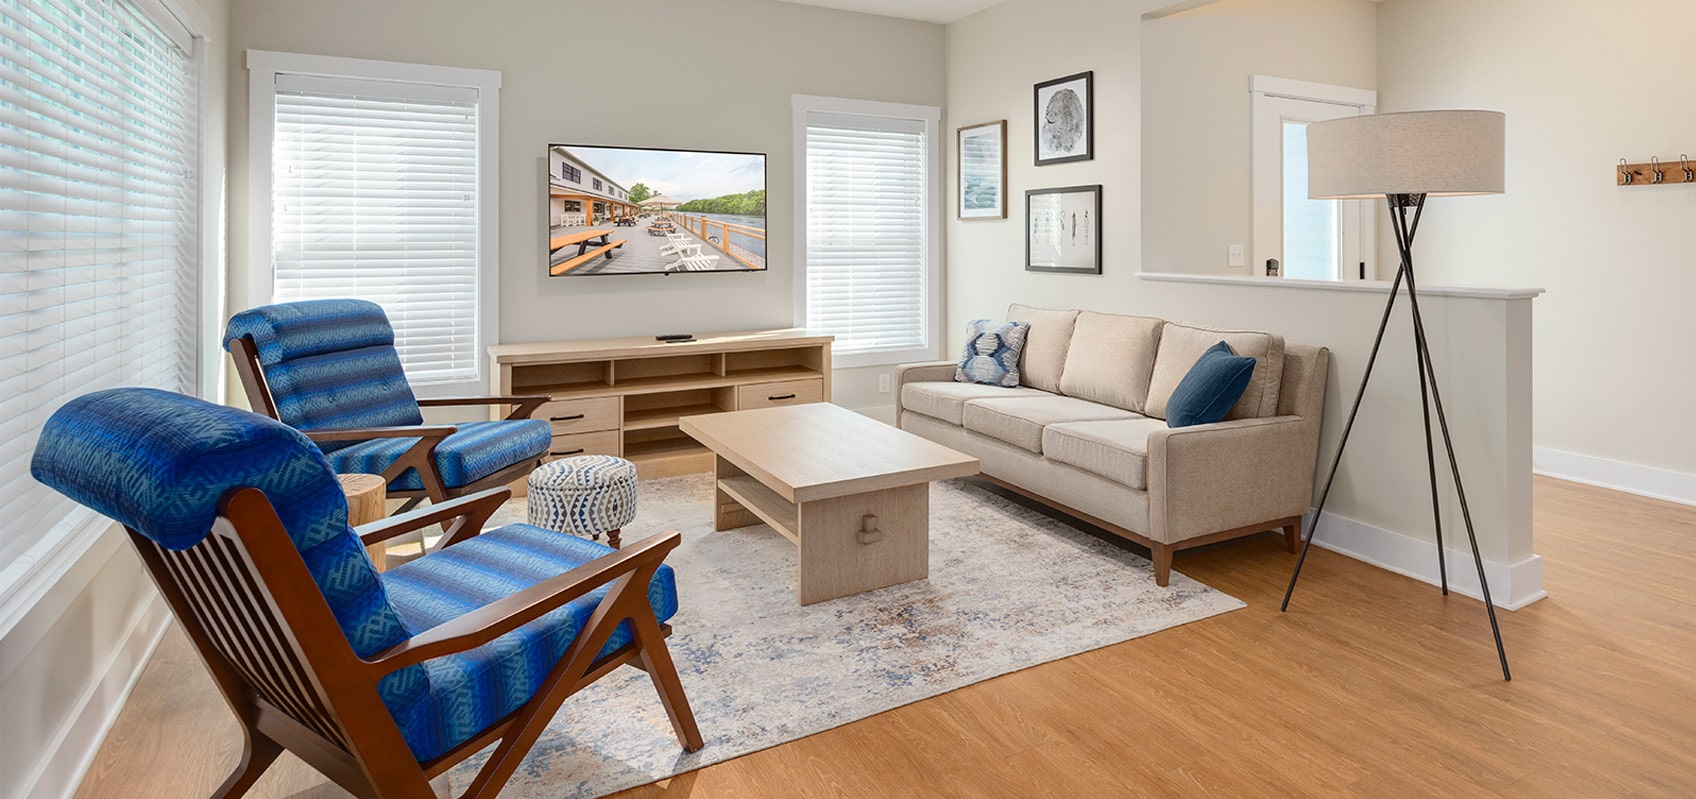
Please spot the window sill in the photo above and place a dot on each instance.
(1371, 286)
(855, 360)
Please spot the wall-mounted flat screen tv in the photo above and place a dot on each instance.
(635, 211)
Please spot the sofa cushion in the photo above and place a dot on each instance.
(1182, 345)
(1115, 449)
(1211, 388)
(945, 401)
(1111, 359)
(1045, 348)
(1019, 420)
(992, 353)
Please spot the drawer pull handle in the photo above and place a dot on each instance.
(572, 418)
(781, 397)
(578, 451)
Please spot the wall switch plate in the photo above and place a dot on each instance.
(1234, 255)
(883, 384)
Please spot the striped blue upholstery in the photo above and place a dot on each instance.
(471, 690)
(159, 463)
(329, 364)
(478, 450)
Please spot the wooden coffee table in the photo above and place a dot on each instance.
(852, 493)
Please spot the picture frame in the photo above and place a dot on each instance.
(1065, 119)
(980, 190)
(1063, 230)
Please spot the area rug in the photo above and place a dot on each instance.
(1009, 588)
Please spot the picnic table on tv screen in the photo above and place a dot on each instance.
(590, 243)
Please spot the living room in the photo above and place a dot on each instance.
(1145, 634)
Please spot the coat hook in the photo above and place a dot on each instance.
(1684, 164)
(1625, 170)
(1655, 169)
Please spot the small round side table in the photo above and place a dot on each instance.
(366, 495)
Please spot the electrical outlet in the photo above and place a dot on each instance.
(1234, 255)
(883, 384)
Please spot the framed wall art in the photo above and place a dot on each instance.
(1063, 230)
(1065, 119)
(981, 190)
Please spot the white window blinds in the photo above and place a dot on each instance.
(867, 242)
(375, 196)
(98, 234)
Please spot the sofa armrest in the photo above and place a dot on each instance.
(1215, 477)
(926, 372)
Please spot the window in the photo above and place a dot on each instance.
(380, 189)
(571, 173)
(1310, 239)
(99, 239)
(597, 184)
(868, 244)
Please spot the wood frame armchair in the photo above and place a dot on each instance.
(272, 644)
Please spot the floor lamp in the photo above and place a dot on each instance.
(1405, 158)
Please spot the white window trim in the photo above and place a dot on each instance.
(931, 116)
(263, 67)
(1263, 88)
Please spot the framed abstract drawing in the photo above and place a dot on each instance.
(1063, 230)
(981, 192)
(1065, 119)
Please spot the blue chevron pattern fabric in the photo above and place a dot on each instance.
(478, 450)
(329, 364)
(159, 462)
(587, 495)
(473, 689)
(992, 352)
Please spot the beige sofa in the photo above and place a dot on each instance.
(1085, 430)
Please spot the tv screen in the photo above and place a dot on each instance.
(636, 211)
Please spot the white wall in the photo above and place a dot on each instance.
(1195, 111)
(660, 73)
(1480, 343)
(1583, 85)
(69, 654)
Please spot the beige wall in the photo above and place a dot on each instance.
(661, 73)
(67, 660)
(1581, 88)
(1195, 111)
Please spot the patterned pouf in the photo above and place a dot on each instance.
(586, 496)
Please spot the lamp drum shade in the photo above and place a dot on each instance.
(1414, 152)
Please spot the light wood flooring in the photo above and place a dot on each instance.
(1373, 685)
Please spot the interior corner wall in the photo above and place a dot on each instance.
(1196, 125)
(1582, 89)
(659, 73)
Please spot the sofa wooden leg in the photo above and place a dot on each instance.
(1162, 556)
(1292, 536)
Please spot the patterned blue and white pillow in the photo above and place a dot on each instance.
(992, 353)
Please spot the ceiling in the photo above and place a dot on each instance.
(939, 11)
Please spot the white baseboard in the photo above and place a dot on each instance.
(1512, 585)
(1648, 481)
(73, 749)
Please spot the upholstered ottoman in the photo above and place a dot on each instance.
(585, 496)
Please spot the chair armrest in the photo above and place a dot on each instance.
(472, 511)
(524, 404)
(431, 431)
(1215, 477)
(502, 616)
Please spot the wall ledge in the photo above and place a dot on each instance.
(1367, 286)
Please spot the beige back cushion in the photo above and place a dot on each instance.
(1112, 359)
(1044, 357)
(1181, 345)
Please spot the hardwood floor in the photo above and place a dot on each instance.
(1372, 685)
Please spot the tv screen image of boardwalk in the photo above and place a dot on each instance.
(614, 210)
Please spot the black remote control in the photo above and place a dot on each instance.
(670, 337)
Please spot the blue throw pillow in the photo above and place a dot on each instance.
(1212, 386)
(992, 353)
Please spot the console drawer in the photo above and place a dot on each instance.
(782, 392)
(600, 442)
(580, 415)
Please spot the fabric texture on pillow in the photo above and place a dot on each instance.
(1212, 386)
(1046, 346)
(992, 353)
(1180, 347)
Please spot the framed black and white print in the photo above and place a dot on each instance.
(982, 189)
(1065, 119)
(1063, 230)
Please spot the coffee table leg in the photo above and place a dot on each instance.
(728, 514)
(864, 541)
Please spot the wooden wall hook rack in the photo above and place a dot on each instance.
(1657, 172)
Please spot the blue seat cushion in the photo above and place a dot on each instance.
(478, 450)
(472, 690)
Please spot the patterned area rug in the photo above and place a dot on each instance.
(1009, 588)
